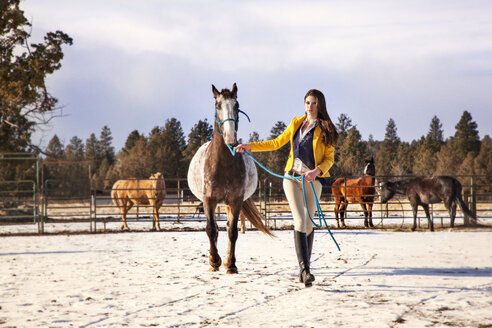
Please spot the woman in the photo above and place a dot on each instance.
(312, 138)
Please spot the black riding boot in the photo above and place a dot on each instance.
(310, 241)
(302, 252)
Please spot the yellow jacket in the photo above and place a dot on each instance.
(323, 154)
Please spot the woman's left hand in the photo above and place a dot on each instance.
(311, 175)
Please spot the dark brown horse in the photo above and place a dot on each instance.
(361, 190)
(216, 177)
(424, 191)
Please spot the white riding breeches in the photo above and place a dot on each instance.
(294, 194)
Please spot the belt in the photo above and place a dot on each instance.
(293, 174)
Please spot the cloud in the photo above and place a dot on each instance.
(143, 62)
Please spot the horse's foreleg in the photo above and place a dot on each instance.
(429, 220)
(364, 209)
(212, 233)
(156, 225)
(369, 212)
(230, 263)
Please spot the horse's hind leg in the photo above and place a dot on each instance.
(343, 212)
(212, 233)
(452, 212)
(124, 210)
(230, 263)
(429, 220)
(415, 210)
(243, 222)
(337, 210)
(241, 216)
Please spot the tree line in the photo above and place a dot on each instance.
(27, 106)
(166, 149)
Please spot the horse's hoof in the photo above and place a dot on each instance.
(214, 266)
(213, 269)
(232, 270)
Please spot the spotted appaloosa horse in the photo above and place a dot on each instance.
(216, 177)
(424, 191)
(361, 190)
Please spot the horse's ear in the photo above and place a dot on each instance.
(234, 89)
(215, 91)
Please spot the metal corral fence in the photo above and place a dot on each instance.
(57, 201)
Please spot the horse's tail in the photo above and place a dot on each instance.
(254, 216)
(466, 211)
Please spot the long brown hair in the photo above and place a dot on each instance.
(330, 134)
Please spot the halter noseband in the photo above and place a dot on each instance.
(236, 122)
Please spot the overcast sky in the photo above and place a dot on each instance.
(135, 64)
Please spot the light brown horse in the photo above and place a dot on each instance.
(152, 191)
(361, 190)
(230, 216)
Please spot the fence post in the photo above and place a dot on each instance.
(178, 200)
(473, 200)
(138, 196)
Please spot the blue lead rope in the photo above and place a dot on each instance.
(318, 206)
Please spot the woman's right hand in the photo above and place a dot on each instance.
(242, 147)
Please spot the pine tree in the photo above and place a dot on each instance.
(275, 160)
(130, 141)
(199, 134)
(92, 152)
(434, 139)
(389, 149)
(466, 138)
(76, 169)
(54, 150)
(402, 162)
(343, 126)
(25, 102)
(171, 154)
(425, 160)
(74, 151)
(352, 153)
(446, 160)
(105, 148)
(138, 162)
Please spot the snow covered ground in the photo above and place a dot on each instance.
(378, 279)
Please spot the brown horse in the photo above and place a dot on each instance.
(152, 191)
(361, 190)
(216, 176)
(424, 191)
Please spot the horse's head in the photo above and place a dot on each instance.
(369, 167)
(158, 184)
(227, 113)
(387, 191)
